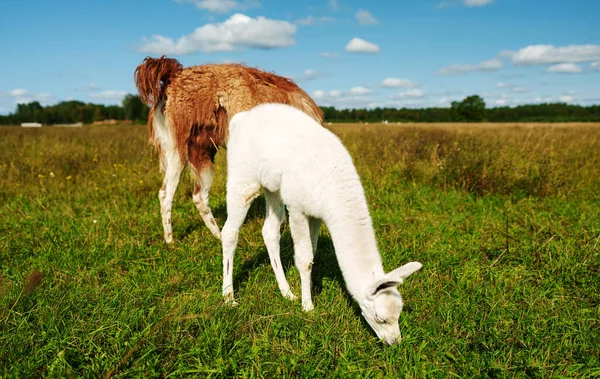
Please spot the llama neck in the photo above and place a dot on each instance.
(355, 245)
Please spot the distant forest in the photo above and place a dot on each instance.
(470, 109)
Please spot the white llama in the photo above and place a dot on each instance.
(306, 168)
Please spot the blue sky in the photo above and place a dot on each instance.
(398, 53)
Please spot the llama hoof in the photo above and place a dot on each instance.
(169, 238)
(229, 300)
(290, 296)
(308, 307)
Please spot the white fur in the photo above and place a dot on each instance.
(299, 163)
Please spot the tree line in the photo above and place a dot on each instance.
(69, 112)
(470, 109)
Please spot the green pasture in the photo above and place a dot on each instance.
(504, 218)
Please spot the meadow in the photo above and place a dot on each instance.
(505, 219)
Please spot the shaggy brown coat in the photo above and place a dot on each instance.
(200, 101)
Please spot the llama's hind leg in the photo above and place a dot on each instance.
(202, 182)
(303, 254)
(201, 154)
(238, 200)
(173, 167)
(271, 236)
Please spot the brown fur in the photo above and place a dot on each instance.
(200, 101)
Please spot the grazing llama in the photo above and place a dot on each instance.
(304, 167)
(190, 109)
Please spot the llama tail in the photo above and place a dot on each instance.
(153, 76)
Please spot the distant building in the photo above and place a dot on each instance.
(31, 124)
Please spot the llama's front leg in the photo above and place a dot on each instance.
(237, 208)
(271, 236)
(202, 181)
(303, 254)
(173, 168)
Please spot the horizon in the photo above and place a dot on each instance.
(345, 54)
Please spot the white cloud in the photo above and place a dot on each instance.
(357, 45)
(334, 5)
(354, 91)
(476, 3)
(501, 100)
(595, 66)
(223, 6)
(311, 21)
(353, 98)
(109, 95)
(360, 91)
(308, 74)
(413, 93)
(365, 18)
(566, 99)
(492, 64)
(551, 99)
(398, 83)
(22, 96)
(543, 99)
(319, 94)
(512, 87)
(548, 54)
(519, 89)
(565, 68)
(17, 92)
(489, 65)
(444, 102)
(237, 32)
(329, 55)
(466, 3)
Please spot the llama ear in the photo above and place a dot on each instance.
(404, 271)
(394, 278)
(380, 285)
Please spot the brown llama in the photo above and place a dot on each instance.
(190, 110)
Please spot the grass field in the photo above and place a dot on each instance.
(504, 218)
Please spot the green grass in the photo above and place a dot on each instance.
(506, 221)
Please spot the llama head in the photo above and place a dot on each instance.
(382, 303)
